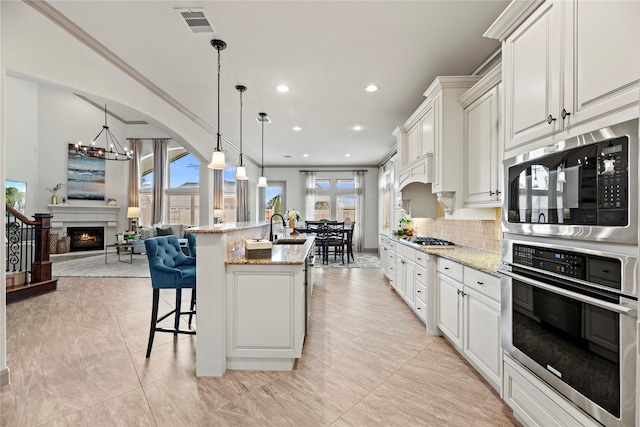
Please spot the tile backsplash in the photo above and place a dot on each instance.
(486, 234)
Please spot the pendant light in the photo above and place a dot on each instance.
(241, 171)
(217, 158)
(262, 181)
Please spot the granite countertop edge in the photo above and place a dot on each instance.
(285, 254)
(475, 258)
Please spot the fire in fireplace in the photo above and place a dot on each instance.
(86, 238)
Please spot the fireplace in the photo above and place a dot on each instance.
(86, 238)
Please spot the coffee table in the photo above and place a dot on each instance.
(123, 248)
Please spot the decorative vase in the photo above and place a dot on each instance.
(406, 225)
(54, 200)
(292, 223)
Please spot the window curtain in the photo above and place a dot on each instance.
(242, 200)
(358, 232)
(159, 177)
(218, 193)
(134, 175)
(310, 196)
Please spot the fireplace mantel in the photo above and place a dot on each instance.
(77, 215)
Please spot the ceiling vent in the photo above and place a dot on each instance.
(196, 20)
(266, 119)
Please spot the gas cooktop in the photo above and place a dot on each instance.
(431, 241)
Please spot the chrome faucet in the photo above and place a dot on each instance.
(271, 225)
(544, 218)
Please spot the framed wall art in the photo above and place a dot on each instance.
(86, 176)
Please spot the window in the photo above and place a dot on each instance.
(182, 198)
(229, 193)
(335, 199)
(275, 199)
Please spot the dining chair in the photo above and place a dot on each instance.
(349, 240)
(170, 268)
(334, 239)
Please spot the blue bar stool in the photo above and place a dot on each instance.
(170, 268)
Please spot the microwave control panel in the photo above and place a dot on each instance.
(565, 263)
(613, 178)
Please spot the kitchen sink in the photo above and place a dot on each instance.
(290, 242)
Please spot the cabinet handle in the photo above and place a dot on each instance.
(419, 292)
(419, 308)
(463, 294)
(402, 262)
(491, 193)
(446, 268)
(564, 114)
(419, 259)
(498, 192)
(480, 283)
(458, 291)
(419, 274)
(550, 119)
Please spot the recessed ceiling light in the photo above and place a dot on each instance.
(357, 127)
(371, 88)
(282, 88)
(347, 155)
(297, 128)
(305, 155)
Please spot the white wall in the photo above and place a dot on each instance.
(21, 132)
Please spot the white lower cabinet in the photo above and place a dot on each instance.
(536, 404)
(468, 314)
(265, 336)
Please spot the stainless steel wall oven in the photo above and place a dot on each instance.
(569, 316)
(585, 188)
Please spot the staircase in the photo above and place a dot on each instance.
(28, 267)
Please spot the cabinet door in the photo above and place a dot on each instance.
(410, 283)
(400, 272)
(532, 65)
(603, 76)
(428, 132)
(482, 334)
(438, 149)
(482, 137)
(449, 311)
(413, 144)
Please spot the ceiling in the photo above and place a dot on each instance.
(327, 52)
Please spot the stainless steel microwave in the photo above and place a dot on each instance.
(585, 188)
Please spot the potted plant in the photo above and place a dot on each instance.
(406, 222)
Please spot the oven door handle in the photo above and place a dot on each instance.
(616, 308)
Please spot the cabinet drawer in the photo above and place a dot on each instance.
(421, 293)
(421, 309)
(421, 275)
(450, 268)
(421, 258)
(482, 282)
(391, 244)
(406, 251)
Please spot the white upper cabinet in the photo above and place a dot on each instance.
(532, 58)
(566, 64)
(483, 142)
(603, 38)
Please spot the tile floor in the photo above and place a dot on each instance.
(77, 359)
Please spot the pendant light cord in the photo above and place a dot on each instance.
(262, 158)
(241, 128)
(218, 148)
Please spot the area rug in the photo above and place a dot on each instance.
(362, 260)
(94, 266)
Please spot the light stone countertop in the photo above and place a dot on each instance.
(226, 227)
(285, 254)
(479, 259)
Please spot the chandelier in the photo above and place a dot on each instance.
(113, 150)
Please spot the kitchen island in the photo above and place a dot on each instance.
(250, 312)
